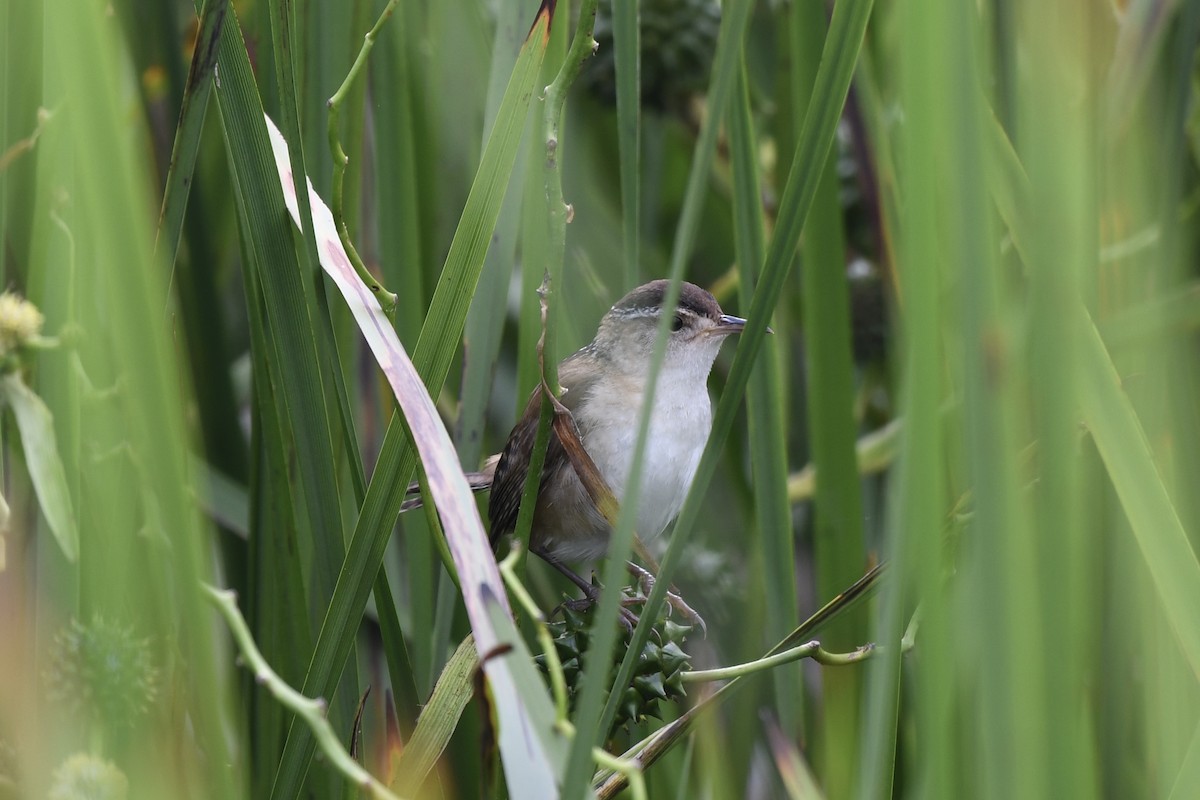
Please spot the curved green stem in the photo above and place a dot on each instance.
(626, 767)
(26, 145)
(313, 712)
(811, 650)
(386, 299)
(558, 680)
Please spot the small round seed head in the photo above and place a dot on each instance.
(102, 669)
(87, 777)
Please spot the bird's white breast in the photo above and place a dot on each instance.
(681, 422)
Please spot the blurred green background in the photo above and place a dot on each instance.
(985, 347)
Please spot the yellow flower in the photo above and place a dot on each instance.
(20, 321)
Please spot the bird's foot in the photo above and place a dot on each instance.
(646, 581)
(625, 617)
(591, 592)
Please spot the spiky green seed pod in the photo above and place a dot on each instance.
(678, 39)
(88, 777)
(103, 670)
(658, 674)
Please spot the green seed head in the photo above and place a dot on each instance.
(103, 670)
(658, 674)
(678, 39)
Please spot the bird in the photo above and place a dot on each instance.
(604, 384)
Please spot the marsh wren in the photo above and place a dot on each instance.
(604, 384)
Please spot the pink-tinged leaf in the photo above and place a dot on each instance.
(522, 747)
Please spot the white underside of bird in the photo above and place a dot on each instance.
(676, 440)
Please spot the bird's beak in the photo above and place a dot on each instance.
(727, 325)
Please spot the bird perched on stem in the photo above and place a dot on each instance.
(604, 385)
(590, 452)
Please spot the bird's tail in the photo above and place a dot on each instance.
(478, 481)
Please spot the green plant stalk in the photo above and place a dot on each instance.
(558, 214)
(1155, 525)
(484, 332)
(396, 176)
(919, 504)
(313, 712)
(533, 478)
(838, 529)
(347, 43)
(535, 232)
(541, 439)
(1003, 596)
(833, 81)
(398, 252)
(191, 124)
(1057, 130)
(627, 62)
(400, 667)
(274, 574)
(340, 161)
(765, 413)
(532, 331)
(193, 287)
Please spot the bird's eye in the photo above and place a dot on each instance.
(677, 323)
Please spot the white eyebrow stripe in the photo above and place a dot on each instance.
(634, 313)
(648, 311)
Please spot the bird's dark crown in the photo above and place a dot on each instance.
(648, 299)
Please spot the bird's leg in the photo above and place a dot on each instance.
(591, 592)
(646, 581)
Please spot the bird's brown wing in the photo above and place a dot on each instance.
(508, 484)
